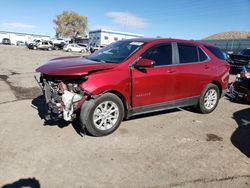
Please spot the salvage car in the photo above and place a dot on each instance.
(237, 61)
(132, 77)
(239, 90)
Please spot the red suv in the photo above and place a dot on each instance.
(132, 77)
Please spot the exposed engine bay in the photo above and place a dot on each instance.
(63, 96)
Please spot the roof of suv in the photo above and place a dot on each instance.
(167, 40)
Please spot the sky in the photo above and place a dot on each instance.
(186, 19)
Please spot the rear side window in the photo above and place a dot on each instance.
(187, 53)
(162, 55)
(217, 52)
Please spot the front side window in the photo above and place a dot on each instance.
(162, 55)
(106, 37)
(187, 53)
(116, 52)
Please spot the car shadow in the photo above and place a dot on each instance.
(29, 183)
(241, 136)
(154, 114)
(40, 104)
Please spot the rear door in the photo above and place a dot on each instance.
(194, 70)
(157, 84)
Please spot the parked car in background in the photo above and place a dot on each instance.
(20, 43)
(239, 90)
(132, 77)
(237, 61)
(32, 43)
(95, 48)
(58, 46)
(74, 48)
(6, 41)
(42, 45)
(58, 43)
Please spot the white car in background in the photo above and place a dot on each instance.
(74, 48)
(58, 41)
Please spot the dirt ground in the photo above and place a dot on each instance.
(174, 148)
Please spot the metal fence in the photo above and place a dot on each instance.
(233, 45)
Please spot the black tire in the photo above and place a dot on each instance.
(201, 107)
(69, 50)
(87, 114)
(49, 49)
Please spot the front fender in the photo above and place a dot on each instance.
(115, 80)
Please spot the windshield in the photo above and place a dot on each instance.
(116, 52)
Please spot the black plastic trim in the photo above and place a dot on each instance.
(163, 106)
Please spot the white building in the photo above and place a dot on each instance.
(25, 37)
(104, 37)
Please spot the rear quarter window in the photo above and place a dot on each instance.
(202, 55)
(217, 52)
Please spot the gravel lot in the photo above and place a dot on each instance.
(176, 148)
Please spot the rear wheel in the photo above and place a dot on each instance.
(209, 99)
(103, 115)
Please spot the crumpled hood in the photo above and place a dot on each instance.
(71, 66)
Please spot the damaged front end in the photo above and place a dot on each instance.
(63, 96)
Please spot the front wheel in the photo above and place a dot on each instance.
(103, 115)
(209, 99)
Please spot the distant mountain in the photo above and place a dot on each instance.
(229, 35)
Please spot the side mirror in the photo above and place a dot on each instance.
(144, 63)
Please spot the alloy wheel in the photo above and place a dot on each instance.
(105, 115)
